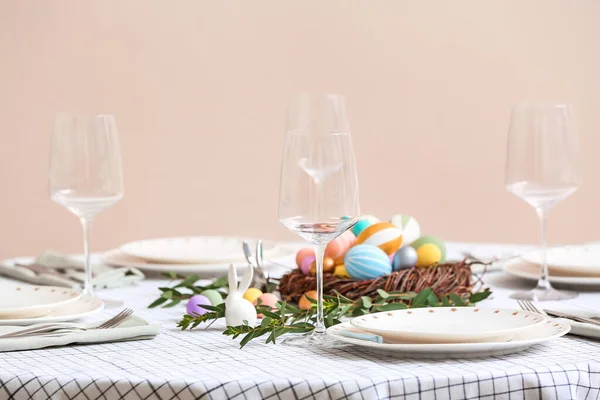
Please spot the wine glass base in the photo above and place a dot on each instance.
(550, 294)
(314, 339)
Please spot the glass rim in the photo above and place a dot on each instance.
(83, 114)
(300, 132)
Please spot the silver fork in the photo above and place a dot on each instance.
(529, 306)
(66, 328)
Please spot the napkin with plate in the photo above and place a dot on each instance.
(133, 328)
(582, 328)
(56, 269)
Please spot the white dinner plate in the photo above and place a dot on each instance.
(82, 307)
(532, 272)
(583, 260)
(540, 333)
(194, 249)
(28, 301)
(447, 324)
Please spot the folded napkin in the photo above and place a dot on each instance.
(56, 269)
(582, 328)
(133, 328)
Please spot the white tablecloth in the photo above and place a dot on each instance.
(205, 364)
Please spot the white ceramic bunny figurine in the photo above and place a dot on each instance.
(237, 308)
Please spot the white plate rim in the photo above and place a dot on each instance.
(384, 332)
(510, 267)
(533, 257)
(449, 347)
(129, 249)
(33, 308)
(49, 318)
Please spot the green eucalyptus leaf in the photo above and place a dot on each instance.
(457, 300)
(366, 301)
(157, 302)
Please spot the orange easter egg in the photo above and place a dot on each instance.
(304, 303)
(384, 235)
(303, 253)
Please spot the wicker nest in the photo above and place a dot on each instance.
(442, 279)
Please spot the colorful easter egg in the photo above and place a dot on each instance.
(384, 235)
(306, 263)
(409, 226)
(430, 251)
(340, 271)
(328, 266)
(195, 303)
(404, 258)
(360, 226)
(302, 254)
(214, 296)
(267, 299)
(365, 261)
(304, 303)
(252, 294)
(338, 247)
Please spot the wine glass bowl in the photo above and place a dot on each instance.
(318, 194)
(542, 168)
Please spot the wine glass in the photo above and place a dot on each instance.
(318, 194)
(85, 171)
(542, 168)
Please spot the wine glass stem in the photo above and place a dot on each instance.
(543, 283)
(88, 287)
(319, 256)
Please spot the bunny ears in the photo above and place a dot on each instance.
(244, 284)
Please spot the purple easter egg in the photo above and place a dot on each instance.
(305, 265)
(194, 303)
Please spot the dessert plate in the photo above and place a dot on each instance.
(532, 272)
(447, 324)
(524, 339)
(27, 301)
(194, 249)
(581, 260)
(82, 307)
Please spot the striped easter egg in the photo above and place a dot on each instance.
(365, 261)
(409, 227)
(338, 247)
(384, 235)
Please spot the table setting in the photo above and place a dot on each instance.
(361, 306)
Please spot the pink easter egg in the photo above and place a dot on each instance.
(306, 262)
(267, 299)
(302, 254)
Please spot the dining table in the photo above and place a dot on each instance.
(202, 363)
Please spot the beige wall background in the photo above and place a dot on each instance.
(200, 88)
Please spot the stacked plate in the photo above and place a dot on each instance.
(206, 256)
(26, 305)
(449, 332)
(570, 265)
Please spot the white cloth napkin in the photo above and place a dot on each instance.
(582, 328)
(133, 328)
(56, 269)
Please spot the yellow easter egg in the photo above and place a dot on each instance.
(428, 255)
(384, 235)
(340, 271)
(252, 294)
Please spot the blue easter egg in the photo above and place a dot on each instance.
(365, 261)
(360, 226)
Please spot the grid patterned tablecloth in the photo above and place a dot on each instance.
(205, 364)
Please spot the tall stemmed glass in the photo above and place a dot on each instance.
(85, 171)
(542, 168)
(318, 197)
